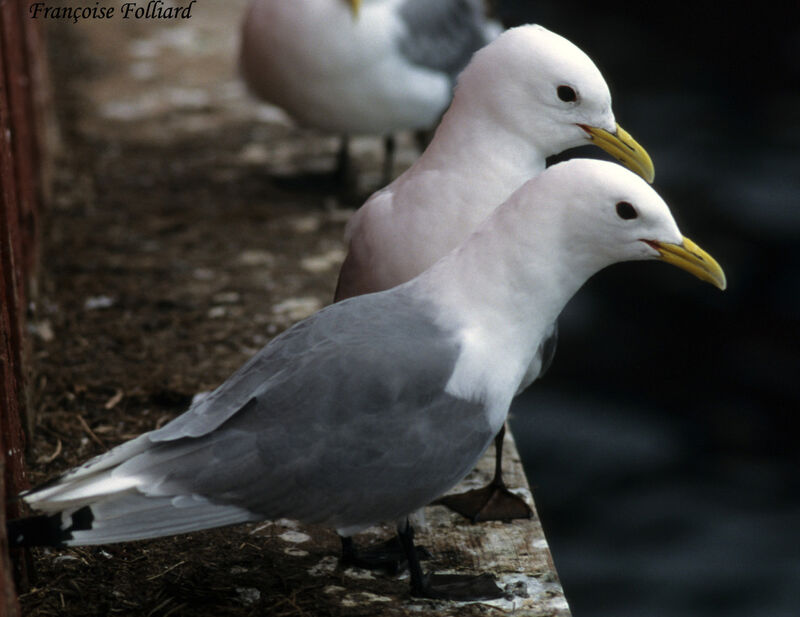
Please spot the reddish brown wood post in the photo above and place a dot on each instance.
(12, 294)
(10, 339)
(26, 146)
(21, 57)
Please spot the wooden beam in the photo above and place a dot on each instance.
(12, 294)
(20, 195)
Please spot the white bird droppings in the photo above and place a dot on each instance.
(254, 154)
(558, 604)
(62, 558)
(358, 599)
(324, 262)
(358, 574)
(294, 536)
(98, 302)
(333, 589)
(305, 224)
(216, 312)
(248, 595)
(256, 258)
(326, 565)
(297, 308)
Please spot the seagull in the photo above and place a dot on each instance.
(373, 406)
(342, 67)
(527, 95)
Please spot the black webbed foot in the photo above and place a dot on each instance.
(493, 502)
(458, 587)
(387, 556)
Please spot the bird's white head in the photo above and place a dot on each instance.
(599, 213)
(540, 85)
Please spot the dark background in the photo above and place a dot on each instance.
(662, 446)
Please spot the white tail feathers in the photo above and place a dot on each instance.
(134, 516)
(83, 492)
(88, 482)
(106, 501)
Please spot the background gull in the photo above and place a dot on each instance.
(527, 95)
(347, 68)
(298, 433)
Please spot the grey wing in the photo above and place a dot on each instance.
(288, 359)
(443, 35)
(267, 366)
(203, 417)
(350, 424)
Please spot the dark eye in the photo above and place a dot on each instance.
(567, 94)
(626, 211)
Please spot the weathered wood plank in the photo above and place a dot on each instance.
(516, 552)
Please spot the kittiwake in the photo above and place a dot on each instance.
(353, 68)
(372, 407)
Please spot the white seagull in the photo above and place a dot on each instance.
(527, 95)
(372, 407)
(352, 69)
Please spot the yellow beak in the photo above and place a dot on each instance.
(624, 148)
(355, 6)
(690, 257)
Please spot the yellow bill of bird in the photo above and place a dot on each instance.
(624, 148)
(355, 6)
(690, 257)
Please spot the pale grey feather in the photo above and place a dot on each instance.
(443, 35)
(133, 516)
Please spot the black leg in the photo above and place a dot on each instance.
(348, 550)
(343, 165)
(459, 587)
(493, 502)
(498, 457)
(418, 580)
(423, 138)
(389, 149)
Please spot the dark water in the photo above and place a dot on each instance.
(662, 446)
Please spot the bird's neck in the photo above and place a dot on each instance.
(473, 146)
(509, 281)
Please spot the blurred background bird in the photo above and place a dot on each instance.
(361, 67)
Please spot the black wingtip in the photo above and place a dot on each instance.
(47, 530)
